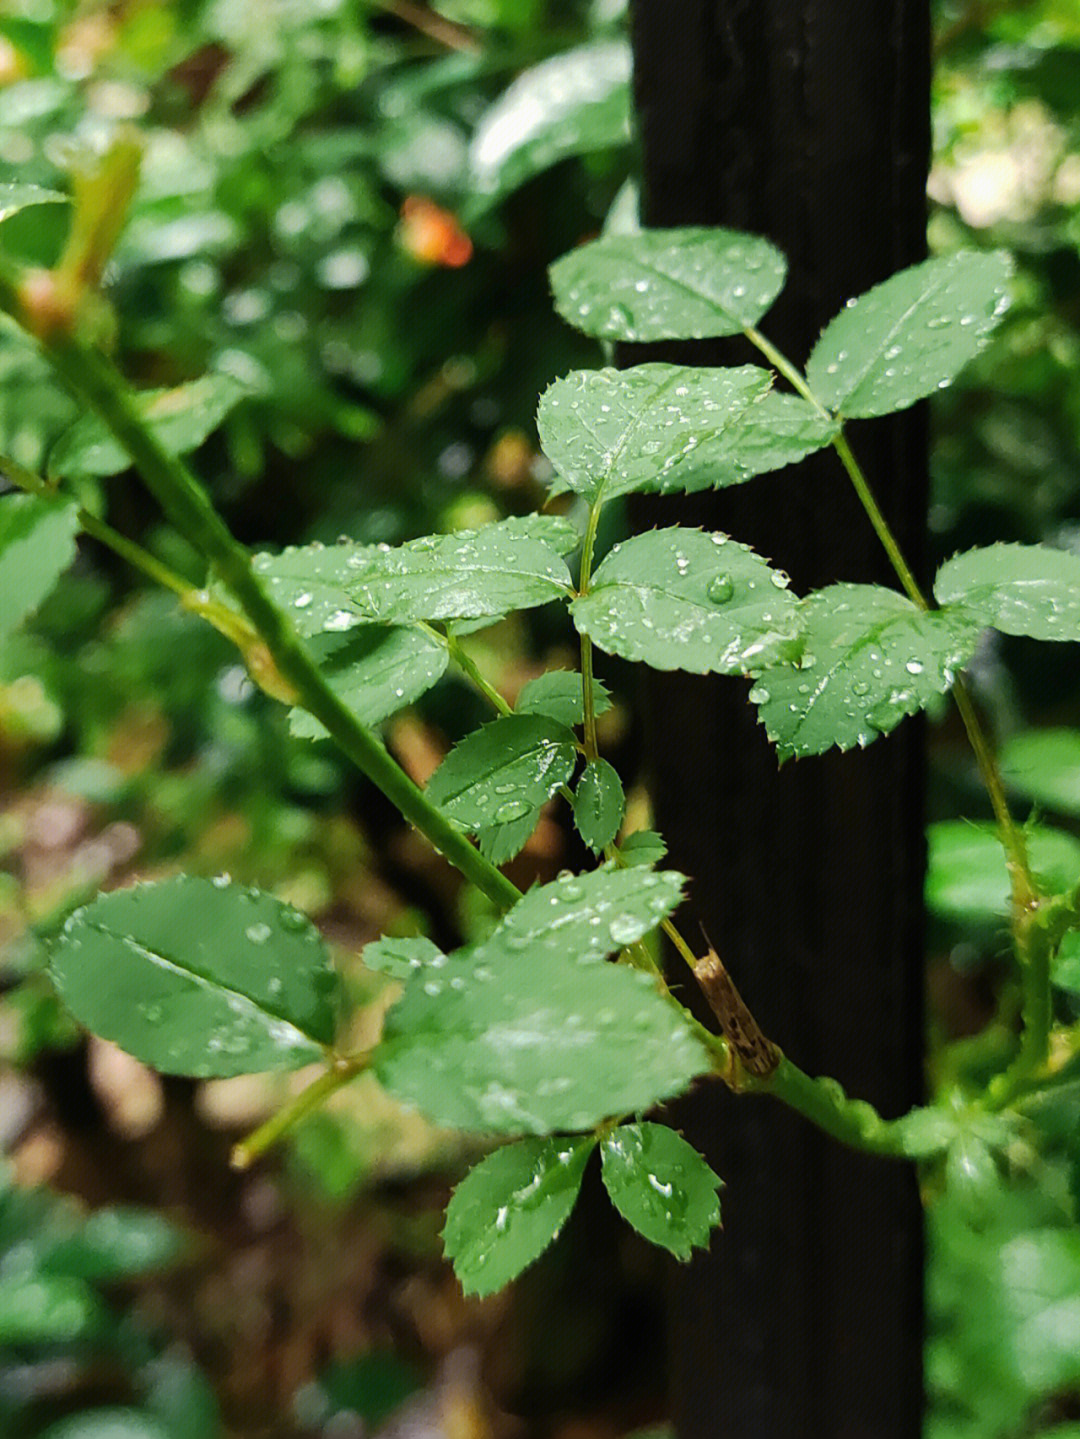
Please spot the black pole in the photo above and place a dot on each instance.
(806, 121)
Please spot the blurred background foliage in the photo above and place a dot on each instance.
(344, 218)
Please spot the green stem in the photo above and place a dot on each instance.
(120, 545)
(1037, 1013)
(172, 484)
(289, 1116)
(879, 522)
(851, 1121)
(468, 666)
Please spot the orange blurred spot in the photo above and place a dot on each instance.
(432, 235)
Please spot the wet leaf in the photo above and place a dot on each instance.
(680, 284)
(966, 878)
(589, 916)
(574, 103)
(199, 977)
(527, 1040)
(910, 335)
(509, 1207)
(1019, 589)
(599, 804)
(683, 599)
(180, 419)
(777, 430)
(501, 842)
(662, 1186)
(557, 694)
(870, 657)
(504, 771)
(37, 544)
(375, 672)
(653, 427)
(466, 575)
(399, 957)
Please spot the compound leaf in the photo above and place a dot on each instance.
(679, 284)
(599, 804)
(661, 1185)
(37, 543)
(180, 418)
(504, 771)
(572, 104)
(199, 977)
(517, 1038)
(910, 335)
(1019, 589)
(683, 599)
(509, 1207)
(870, 657)
(376, 671)
(653, 427)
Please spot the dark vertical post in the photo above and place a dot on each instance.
(806, 121)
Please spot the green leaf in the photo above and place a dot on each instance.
(966, 878)
(642, 847)
(180, 419)
(199, 977)
(573, 104)
(653, 427)
(375, 672)
(37, 543)
(1019, 589)
(1044, 765)
(557, 694)
(599, 804)
(777, 430)
(870, 657)
(1066, 968)
(555, 531)
(14, 198)
(683, 599)
(662, 1186)
(112, 1244)
(467, 575)
(589, 916)
(108, 1424)
(47, 1308)
(684, 284)
(503, 771)
(530, 1041)
(909, 336)
(509, 1207)
(310, 581)
(501, 842)
(399, 957)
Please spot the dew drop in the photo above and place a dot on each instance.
(719, 590)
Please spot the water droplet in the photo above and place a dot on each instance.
(302, 600)
(719, 589)
(258, 933)
(340, 620)
(914, 667)
(293, 920)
